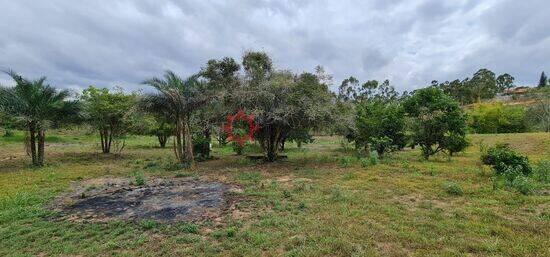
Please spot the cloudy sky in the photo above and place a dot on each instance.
(410, 42)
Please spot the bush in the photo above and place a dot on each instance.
(346, 161)
(8, 133)
(523, 185)
(365, 163)
(501, 158)
(453, 188)
(497, 118)
(373, 158)
(201, 147)
(541, 172)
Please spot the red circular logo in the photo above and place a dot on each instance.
(249, 127)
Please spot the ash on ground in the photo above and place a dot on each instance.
(164, 200)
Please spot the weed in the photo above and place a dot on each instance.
(189, 228)
(336, 194)
(541, 172)
(286, 194)
(349, 176)
(346, 162)
(453, 188)
(139, 179)
(230, 232)
(523, 185)
(148, 224)
(365, 162)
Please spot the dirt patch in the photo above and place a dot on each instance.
(164, 200)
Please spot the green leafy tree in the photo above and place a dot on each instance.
(281, 102)
(380, 124)
(108, 111)
(543, 80)
(221, 76)
(504, 82)
(257, 66)
(181, 98)
(483, 85)
(348, 90)
(7, 123)
(436, 117)
(36, 105)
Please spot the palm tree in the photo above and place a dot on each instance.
(36, 105)
(180, 98)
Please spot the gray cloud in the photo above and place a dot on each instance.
(108, 43)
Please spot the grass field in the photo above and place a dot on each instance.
(321, 201)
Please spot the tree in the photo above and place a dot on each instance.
(483, 85)
(348, 90)
(458, 89)
(221, 76)
(36, 105)
(380, 124)
(7, 122)
(151, 124)
(436, 117)
(257, 66)
(543, 80)
(504, 82)
(281, 102)
(181, 98)
(108, 111)
(307, 96)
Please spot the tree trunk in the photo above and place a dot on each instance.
(205, 148)
(102, 138)
(110, 138)
(178, 144)
(272, 142)
(32, 139)
(162, 140)
(41, 140)
(189, 157)
(106, 139)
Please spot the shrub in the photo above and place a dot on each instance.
(501, 158)
(541, 172)
(497, 118)
(201, 147)
(453, 188)
(8, 133)
(523, 185)
(346, 161)
(365, 162)
(373, 158)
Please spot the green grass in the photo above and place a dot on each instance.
(320, 201)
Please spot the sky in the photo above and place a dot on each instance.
(410, 42)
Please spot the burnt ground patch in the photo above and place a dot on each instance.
(164, 200)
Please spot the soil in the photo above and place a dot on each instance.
(164, 200)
